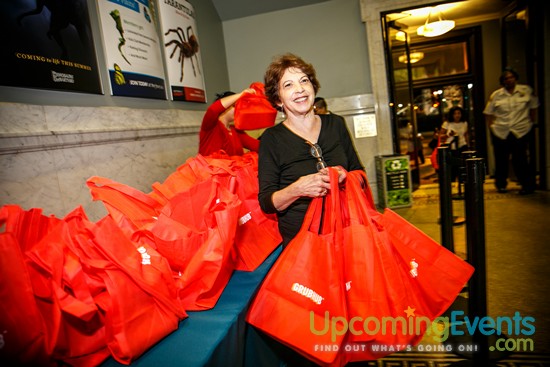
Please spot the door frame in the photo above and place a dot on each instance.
(472, 37)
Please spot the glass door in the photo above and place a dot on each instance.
(406, 141)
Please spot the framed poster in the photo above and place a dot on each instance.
(132, 48)
(182, 51)
(48, 46)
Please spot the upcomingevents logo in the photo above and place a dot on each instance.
(512, 329)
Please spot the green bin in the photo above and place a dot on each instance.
(393, 173)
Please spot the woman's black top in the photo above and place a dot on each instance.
(284, 157)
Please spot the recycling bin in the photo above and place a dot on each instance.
(394, 183)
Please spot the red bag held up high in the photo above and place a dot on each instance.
(253, 111)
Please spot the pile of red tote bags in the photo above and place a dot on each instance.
(76, 292)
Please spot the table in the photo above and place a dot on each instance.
(215, 337)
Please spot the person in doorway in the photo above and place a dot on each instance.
(320, 106)
(454, 133)
(217, 131)
(510, 114)
(406, 133)
(294, 154)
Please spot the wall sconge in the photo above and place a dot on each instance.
(414, 56)
(437, 28)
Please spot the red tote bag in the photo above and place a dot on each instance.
(257, 233)
(131, 208)
(24, 337)
(196, 232)
(304, 290)
(439, 274)
(142, 305)
(64, 296)
(376, 287)
(194, 170)
(384, 255)
(253, 111)
(29, 335)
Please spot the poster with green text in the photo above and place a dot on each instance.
(132, 48)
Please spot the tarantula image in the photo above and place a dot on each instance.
(188, 47)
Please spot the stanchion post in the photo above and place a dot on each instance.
(467, 154)
(475, 238)
(445, 197)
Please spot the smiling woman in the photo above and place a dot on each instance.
(294, 155)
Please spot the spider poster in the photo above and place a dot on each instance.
(182, 51)
(132, 48)
(48, 44)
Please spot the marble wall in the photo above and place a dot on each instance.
(48, 152)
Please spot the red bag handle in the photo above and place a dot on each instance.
(325, 209)
(361, 178)
(359, 199)
(96, 183)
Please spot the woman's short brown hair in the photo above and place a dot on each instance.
(275, 72)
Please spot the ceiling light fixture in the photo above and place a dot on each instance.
(401, 36)
(437, 28)
(414, 57)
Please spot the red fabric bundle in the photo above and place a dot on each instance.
(257, 233)
(253, 110)
(66, 300)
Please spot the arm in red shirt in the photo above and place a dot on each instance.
(248, 141)
(211, 116)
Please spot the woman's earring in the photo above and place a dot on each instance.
(282, 111)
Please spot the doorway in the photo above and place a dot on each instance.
(426, 78)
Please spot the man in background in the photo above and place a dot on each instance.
(510, 114)
(320, 106)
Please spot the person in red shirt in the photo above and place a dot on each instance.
(217, 130)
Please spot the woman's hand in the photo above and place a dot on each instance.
(313, 185)
(248, 90)
(342, 173)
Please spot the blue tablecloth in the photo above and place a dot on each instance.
(214, 337)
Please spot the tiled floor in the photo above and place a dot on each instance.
(517, 266)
